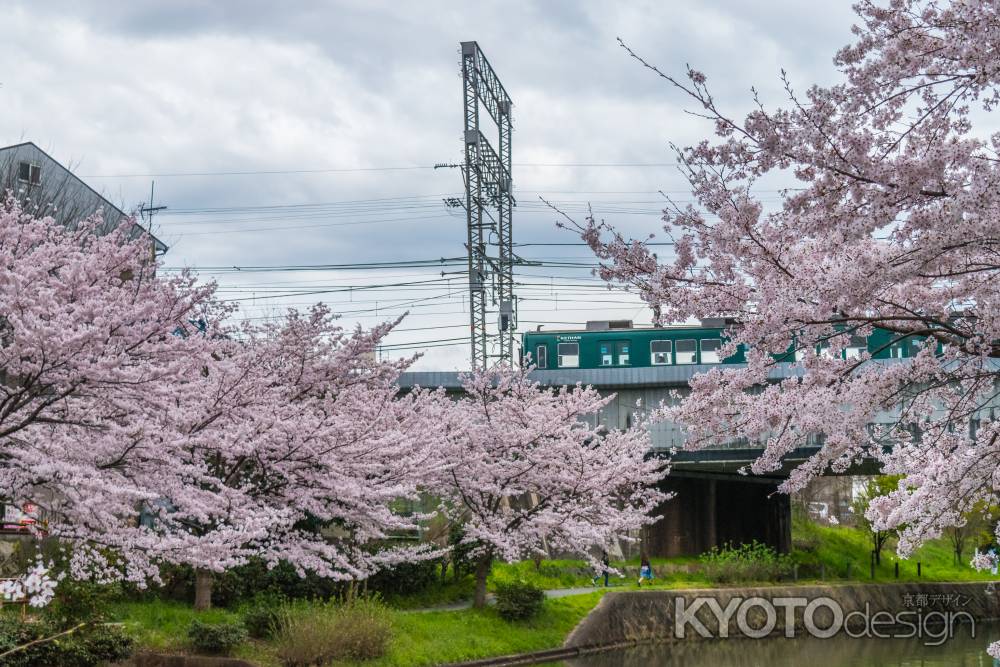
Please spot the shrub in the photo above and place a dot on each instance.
(242, 584)
(107, 643)
(806, 543)
(518, 600)
(217, 638)
(80, 601)
(406, 578)
(86, 647)
(745, 562)
(262, 618)
(356, 630)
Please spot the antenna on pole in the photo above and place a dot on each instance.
(149, 210)
(488, 188)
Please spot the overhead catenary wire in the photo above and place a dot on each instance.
(349, 170)
(356, 266)
(372, 212)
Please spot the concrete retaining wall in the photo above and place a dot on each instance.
(637, 616)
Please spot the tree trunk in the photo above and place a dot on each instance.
(483, 566)
(202, 589)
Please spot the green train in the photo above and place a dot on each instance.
(617, 344)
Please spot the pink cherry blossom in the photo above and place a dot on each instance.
(128, 394)
(894, 224)
(528, 469)
(36, 587)
(88, 354)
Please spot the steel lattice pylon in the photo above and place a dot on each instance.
(488, 188)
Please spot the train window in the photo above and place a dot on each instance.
(855, 347)
(905, 347)
(541, 356)
(687, 350)
(605, 350)
(660, 351)
(621, 349)
(710, 350)
(569, 355)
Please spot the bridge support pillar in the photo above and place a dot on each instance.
(712, 510)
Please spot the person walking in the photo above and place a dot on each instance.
(604, 569)
(645, 570)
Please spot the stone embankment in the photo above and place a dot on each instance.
(694, 614)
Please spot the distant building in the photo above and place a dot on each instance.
(45, 187)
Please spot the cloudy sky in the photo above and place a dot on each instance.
(305, 133)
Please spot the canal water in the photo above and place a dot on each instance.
(962, 650)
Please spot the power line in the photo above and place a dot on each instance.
(366, 266)
(533, 244)
(432, 199)
(388, 200)
(324, 224)
(263, 172)
(412, 167)
(401, 264)
(342, 289)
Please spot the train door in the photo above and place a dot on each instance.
(541, 356)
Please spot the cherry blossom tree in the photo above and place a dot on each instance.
(291, 445)
(87, 354)
(892, 224)
(529, 467)
(126, 394)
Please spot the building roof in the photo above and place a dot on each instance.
(160, 246)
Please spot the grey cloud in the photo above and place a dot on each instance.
(137, 87)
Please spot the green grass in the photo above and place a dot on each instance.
(432, 637)
(838, 549)
(162, 627)
(419, 638)
(836, 546)
(428, 638)
(436, 596)
(554, 574)
(549, 575)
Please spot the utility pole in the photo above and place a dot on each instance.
(488, 188)
(150, 210)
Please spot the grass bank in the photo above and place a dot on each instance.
(418, 638)
(823, 553)
(421, 637)
(842, 550)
